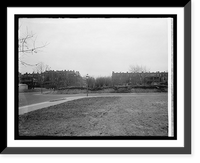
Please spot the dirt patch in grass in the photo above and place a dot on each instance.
(100, 116)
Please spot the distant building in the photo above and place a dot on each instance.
(51, 79)
(144, 78)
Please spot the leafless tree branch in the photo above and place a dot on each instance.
(27, 64)
(34, 49)
(138, 69)
(27, 45)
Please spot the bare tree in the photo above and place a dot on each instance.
(91, 82)
(27, 45)
(138, 69)
(41, 68)
(103, 81)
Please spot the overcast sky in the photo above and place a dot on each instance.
(98, 46)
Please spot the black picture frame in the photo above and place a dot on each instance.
(126, 150)
(101, 16)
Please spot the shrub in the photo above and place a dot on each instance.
(123, 90)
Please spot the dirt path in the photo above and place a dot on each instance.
(100, 116)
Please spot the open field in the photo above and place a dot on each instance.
(33, 98)
(142, 115)
(29, 98)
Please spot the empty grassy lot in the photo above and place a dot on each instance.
(142, 115)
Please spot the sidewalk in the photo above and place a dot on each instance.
(29, 108)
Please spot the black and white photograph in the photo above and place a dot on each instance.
(98, 80)
(95, 77)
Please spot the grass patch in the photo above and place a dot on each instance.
(143, 115)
